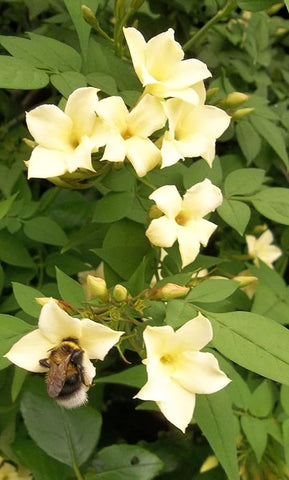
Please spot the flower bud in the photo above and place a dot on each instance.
(154, 212)
(210, 462)
(29, 143)
(233, 100)
(97, 288)
(242, 112)
(168, 292)
(119, 293)
(211, 92)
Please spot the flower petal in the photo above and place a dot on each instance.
(158, 340)
(81, 156)
(46, 163)
(27, 352)
(56, 325)
(187, 73)
(170, 152)
(146, 117)
(211, 121)
(168, 200)
(195, 333)
(202, 230)
(199, 372)
(188, 244)
(97, 339)
(115, 149)
(202, 198)
(162, 55)
(142, 154)
(162, 232)
(89, 369)
(155, 388)
(113, 110)
(50, 127)
(137, 46)
(81, 108)
(179, 405)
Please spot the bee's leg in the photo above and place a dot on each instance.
(44, 363)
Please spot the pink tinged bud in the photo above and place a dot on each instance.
(168, 292)
(97, 288)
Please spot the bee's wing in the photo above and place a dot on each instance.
(56, 377)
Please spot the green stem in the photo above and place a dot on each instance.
(230, 5)
(77, 473)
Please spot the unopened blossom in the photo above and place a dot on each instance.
(128, 131)
(262, 248)
(183, 218)
(193, 130)
(177, 370)
(65, 138)
(56, 326)
(161, 68)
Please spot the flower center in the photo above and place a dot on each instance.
(181, 218)
(167, 359)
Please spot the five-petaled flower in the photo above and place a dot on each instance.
(66, 139)
(261, 248)
(177, 370)
(193, 130)
(183, 218)
(56, 326)
(160, 66)
(128, 132)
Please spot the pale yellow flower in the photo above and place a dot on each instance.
(66, 138)
(128, 131)
(262, 248)
(177, 370)
(56, 326)
(161, 68)
(193, 130)
(183, 218)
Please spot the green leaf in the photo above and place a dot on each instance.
(285, 430)
(236, 214)
(256, 434)
(287, 4)
(244, 181)
(112, 207)
(70, 290)
(5, 205)
(244, 133)
(254, 342)
(105, 82)
(16, 74)
(213, 290)
(270, 304)
(82, 28)
(13, 252)
(199, 170)
(273, 203)
(127, 462)
(17, 382)
(262, 400)
(255, 5)
(214, 415)
(45, 230)
(25, 297)
(67, 82)
(132, 377)
(272, 134)
(75, 430)
(11, 330)
(270, 277)
(284, 398)
(179, 312)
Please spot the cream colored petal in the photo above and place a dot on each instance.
(56, 325)
(162, 232)
(201, 230)
(202, 198)
(163, 55)
(137, 46)
(154, 389)
(50, 127)
(100, 133)
(97, 339)
(195, 333)
(142, 154)
(81, 107)
(89, 369)
(265, 239)
(189, 245)
(210, 152)
(158, 340)
(146, 117)
(199, 372)
(211, 121)
(115, 149)
(27, 352)
(81, 156)
(113, 110)
(168, 200)
(179, 406)
(269, 254)
(45, 163)
(161, 90)
(251, 244)
(170, 152)
(187, 73)
(193, 145)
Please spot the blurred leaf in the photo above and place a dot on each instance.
(273, 203)
(125, 461)
(70, 290)
(17, 74)
(67, 82)
(113, 206)
(236, 214)
(179, 312)
(5, 205)
(213, 290)
(256, 434)
(82, 28)
(25, 297)
(105, 82)
(17, 382)
(245, 131)
(132, 377)
(45, 230)
(244, 181)
(214, 415)
(271, 134)
(262, 400)
(11, 330)
(72, 433)
(13, 252)
(255, 5)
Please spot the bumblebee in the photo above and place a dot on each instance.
(65, 379)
